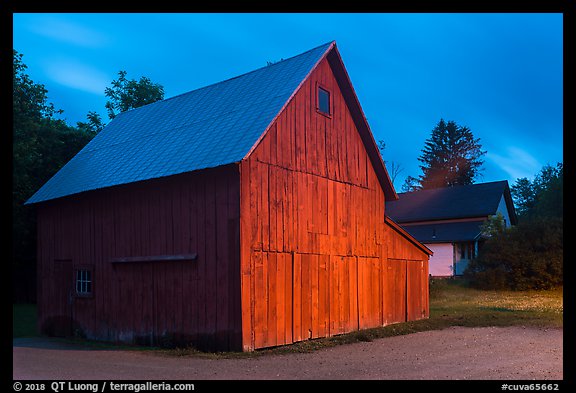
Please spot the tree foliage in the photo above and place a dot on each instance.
(42, 144)
(450, 157)
(94, 124)
(542, 197)
(411, 184)
(129, 94)
(30, 100)
(528, 256)
(493, 226)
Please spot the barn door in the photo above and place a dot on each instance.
(416, 290)
(405, 290)
(275, 322)
(132, 306)
(394, 291)
(61, 325)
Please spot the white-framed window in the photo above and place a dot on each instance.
(84, 282)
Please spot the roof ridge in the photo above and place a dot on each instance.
(221, 120)
(451, 187)
(212, 85)
(471, 200)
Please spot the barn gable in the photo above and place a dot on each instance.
(347, 96)
(316, 249)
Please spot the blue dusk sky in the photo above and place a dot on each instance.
(499, 74)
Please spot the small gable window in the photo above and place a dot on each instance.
(323, 101)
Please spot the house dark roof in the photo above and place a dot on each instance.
(475, 200)
(402, 231)
(446, 231)
(208, 127)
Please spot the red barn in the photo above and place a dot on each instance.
(242, 215)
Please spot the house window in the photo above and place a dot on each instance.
(84, 282)
(471, 253)
(323, 101)
(467, 250)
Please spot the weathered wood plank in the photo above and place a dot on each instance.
(271, 294)
(155, 258)
(297, 297)
(280, 302)
(306, 327)
(308, 189)
(288, 298)
(314, 289)
(323, 295)
(260, 301)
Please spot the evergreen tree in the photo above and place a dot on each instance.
(451, 156)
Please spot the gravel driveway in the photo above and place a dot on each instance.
(454, 353)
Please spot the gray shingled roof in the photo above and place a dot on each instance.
(208, 127)
(446, 231)
(475, 200)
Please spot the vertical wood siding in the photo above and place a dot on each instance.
(292, 245)
(314, 247)
(161, 303)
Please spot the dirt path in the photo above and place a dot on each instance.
(455, 353)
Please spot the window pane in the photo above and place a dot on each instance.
(323, 101)
(83, 282)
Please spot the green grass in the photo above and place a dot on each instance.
(24, 320)
(24, 325)
(452, 303)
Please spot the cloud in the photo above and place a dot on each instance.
(79, 76)
(516, 162)
(65, 31)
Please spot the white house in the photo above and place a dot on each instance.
(448, 220)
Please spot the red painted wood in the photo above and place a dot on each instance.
(323, 295)
(291, 243)
(149, 302)
(417, 290)
(314, 194)
(394, 307)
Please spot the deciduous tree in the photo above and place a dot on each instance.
(129, 94)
